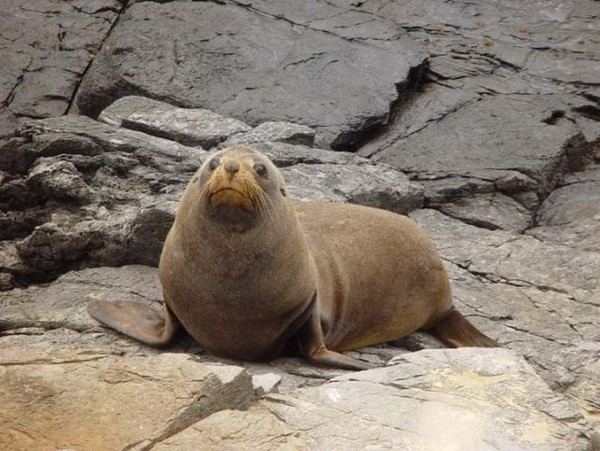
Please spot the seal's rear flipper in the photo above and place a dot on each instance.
(150, 326)
(457, 331)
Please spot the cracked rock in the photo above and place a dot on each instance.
(106, 402)
(374, 185)
(285, 132)
(464, 399)
(188, 126)
(46, 47)
(253, 67)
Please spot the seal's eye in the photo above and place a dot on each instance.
(260, 169)
(214, 164)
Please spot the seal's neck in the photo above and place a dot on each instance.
(232, 219)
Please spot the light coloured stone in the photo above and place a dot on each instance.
(233, 430)
(189, 126)
(435, 399)
(373, 185)
(265, 383)
(286, 132)
(76, 400)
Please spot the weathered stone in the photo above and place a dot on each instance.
(275, 132)
(96, 401)
(571, 214)
(231, 430)
(502, 135)
(373, 185)
(188, 126)
(98, 194)
(63, 303)
(104, 195)
(534, 297)
(490, 211)
(253, 67)
(284, 155)
(46, 46)
(59, 180)
(578, 199)
(455, 399)
(526, 143)
(265, 383)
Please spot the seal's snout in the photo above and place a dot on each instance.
(231, 167)
(231, 187)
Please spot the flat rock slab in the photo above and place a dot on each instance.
(285, 132)
(46, 47)
(253, 67)
(435, 399)
(188, 126)
(63, 303)
(74, 400)
(374, 185)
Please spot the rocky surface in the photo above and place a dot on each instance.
(478, 119)
(45, 47)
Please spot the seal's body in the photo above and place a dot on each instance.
(248, 272)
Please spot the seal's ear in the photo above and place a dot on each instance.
(283, 192)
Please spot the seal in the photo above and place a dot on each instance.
(251, 274)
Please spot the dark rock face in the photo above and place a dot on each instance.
(253, 67)
(481, 120)
(46, 47)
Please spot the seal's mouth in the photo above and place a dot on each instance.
(231, 197)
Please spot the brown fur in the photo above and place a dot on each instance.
(245, 270)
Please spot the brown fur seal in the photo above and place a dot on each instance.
(247, 272)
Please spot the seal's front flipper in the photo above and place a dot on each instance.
(457, 331)
(312, 346)
(150, 326)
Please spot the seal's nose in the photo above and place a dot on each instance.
(231, 166)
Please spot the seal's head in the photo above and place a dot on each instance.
(239, 185)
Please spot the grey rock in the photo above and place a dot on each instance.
(578, 199)
(188, 126)
(46, 47)
(373, 185)
(252, 67)
(275, 132)
(534, 297)
(93, 194)
(583, 234)
(59, 180)
(265, 383)
(285, 155)
(63, 303)
(434, 399)
(90, 194)
(570, 215)
(500, 135)
(488, 155)
(488, 210)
